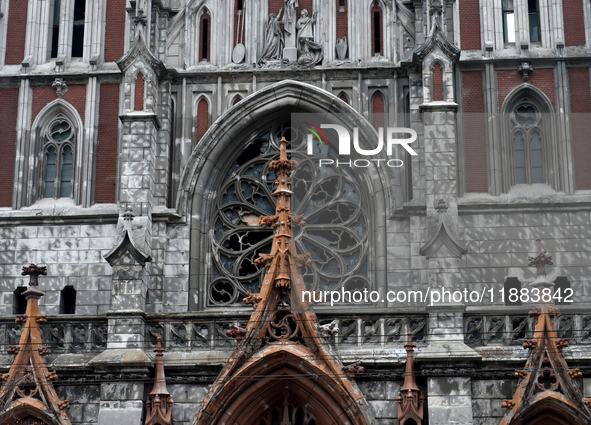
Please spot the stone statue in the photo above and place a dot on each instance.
(273, 39)
(310, 53)
(289, 16)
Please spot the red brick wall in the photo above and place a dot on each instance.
(17, 27)
(202, 34)
(202, 118)
(437, 82)
(108, 138)
(236, 100)
(345, 99)
(76, 95)
(374, 48)
(377, 110)
(342, 22)
(138, 102)
(8, 111)
(470, 24)
(542, 79)
(580, 104)
(474, 132)
(115, 30)
(574, 20)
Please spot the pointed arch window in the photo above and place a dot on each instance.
(376, 30)
(59, 158)
(527, 140)
(204, 36)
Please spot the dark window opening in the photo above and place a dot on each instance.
(534, 21)
(239, 5)
(563, 294)
(508, 21)
(55, 28)
(205, 39)
(19, 302)
(78, 29)
(512, 289)
(341, 5)
(171, 153)
(377, 33)
(68, 300)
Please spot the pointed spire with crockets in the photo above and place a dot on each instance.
(27, 391)
(159, 405)
(410, 400)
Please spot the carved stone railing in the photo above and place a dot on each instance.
(201, 333)
(62, 334)
(513, 329)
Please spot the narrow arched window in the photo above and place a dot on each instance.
(204, 37)
(376, 30)
(202, 118)
(377, 110)
(344, 98)
(78, 28)
(527, 143)
(437, 82)
(59, 159)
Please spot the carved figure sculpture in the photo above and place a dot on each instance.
(274, 41)
(310, 53)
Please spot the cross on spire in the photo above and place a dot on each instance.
(541, 260)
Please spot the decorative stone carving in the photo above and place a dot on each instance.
(310, 53)
(525, 68)
(342, 48)
(443, 236)
(274, 42)
(60, 86)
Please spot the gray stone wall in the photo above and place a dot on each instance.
(487, 397)
(381, 396)
(84, 402)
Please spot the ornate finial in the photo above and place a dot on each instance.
(139, 18)
(60, 86)
(159, 405)
(410, 401)
(128, 215)
(33, 272)
(541, 260)
(525, 69)
(441, 206)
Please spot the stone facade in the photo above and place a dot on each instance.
(133, 234)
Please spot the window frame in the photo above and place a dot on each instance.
(60, 147)
(552, 161)
(66, 32)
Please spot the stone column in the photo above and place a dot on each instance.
(290, 51)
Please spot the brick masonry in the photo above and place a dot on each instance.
(474, 131)
(574, 20)
(580, 101)
(17, 25)
(8, 98)
(108, 136)
(115, 30)
(470, 24)
(76, 95)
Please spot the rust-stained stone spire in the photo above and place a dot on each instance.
(159, 400)
(410, 401)
(282, 328)
(27, 392)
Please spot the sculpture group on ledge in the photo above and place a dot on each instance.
(297, 45)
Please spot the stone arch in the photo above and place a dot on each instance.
(210, 158)
(36, 157)
(29, 410)
(247, 400)
(549, 409)
(553, 161)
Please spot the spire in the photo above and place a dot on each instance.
(159, 400)
(27, 390)
(410, 401)
(546, 379)
(283, 324)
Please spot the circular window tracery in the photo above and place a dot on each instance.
(334, 206)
